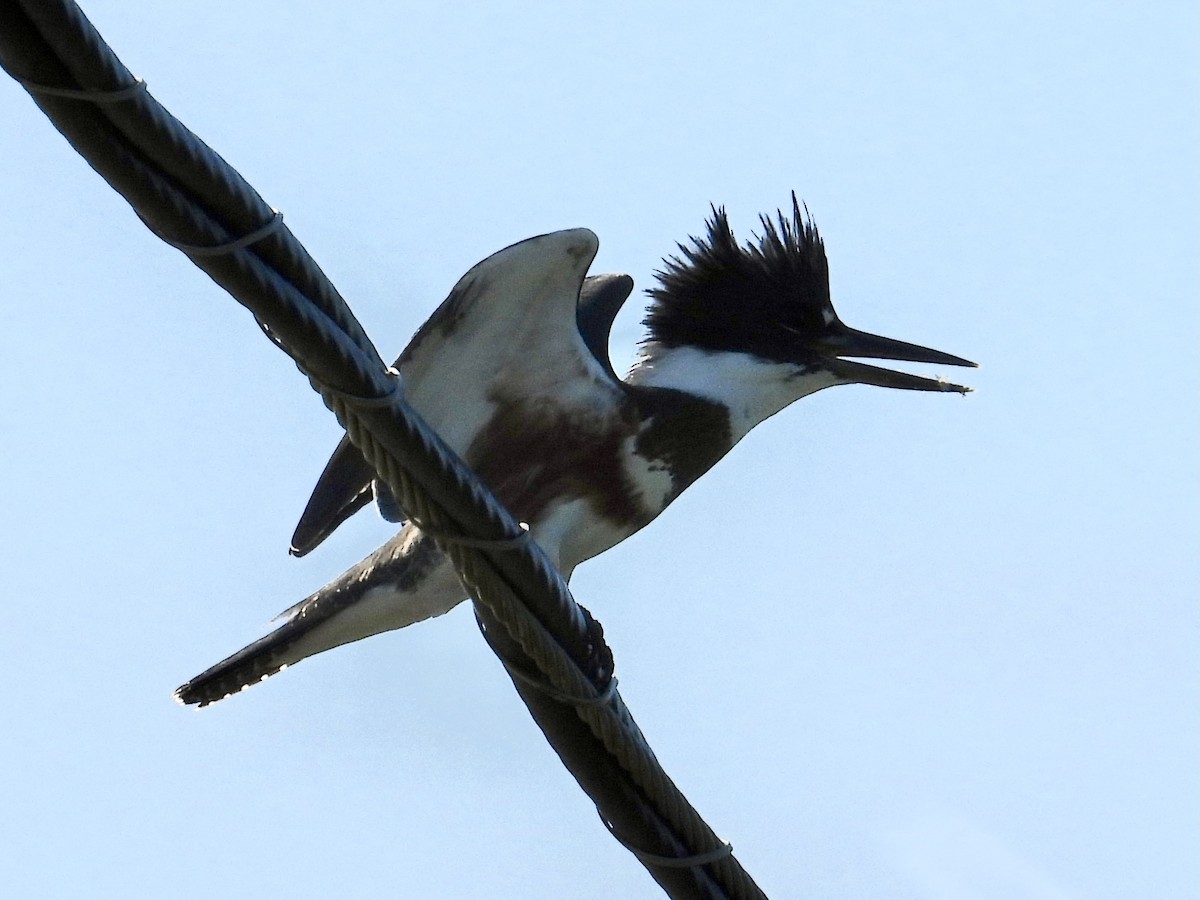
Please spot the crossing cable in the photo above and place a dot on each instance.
(552, 648)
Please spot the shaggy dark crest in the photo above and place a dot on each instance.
(766, 295)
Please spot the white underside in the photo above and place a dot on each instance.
(384, 608)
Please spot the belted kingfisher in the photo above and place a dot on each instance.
(513, 372)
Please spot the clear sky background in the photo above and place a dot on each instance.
(894, 646)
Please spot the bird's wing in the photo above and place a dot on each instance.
(600, 299)
(342, 490)
(523, 321)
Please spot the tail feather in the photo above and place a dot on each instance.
(250, 665)
(404, 581)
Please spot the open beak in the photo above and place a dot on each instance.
(843, 341)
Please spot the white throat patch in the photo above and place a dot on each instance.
(751, 388)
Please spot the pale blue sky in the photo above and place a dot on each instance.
(895, 646)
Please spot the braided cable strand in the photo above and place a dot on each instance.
(611, 722)
(154, 133)
(184, 190)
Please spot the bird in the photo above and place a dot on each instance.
(513, 371)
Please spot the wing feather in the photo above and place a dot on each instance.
(523, 320)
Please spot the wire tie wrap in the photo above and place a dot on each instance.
(394, 392)
(544, 687)
(515, 542)
(265, 230)
(116, 95)
(670, 862)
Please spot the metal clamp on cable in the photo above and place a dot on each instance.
(116, 95)
(670, 862)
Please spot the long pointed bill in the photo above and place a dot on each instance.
(851, 342)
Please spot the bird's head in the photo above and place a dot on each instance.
(769, 300)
